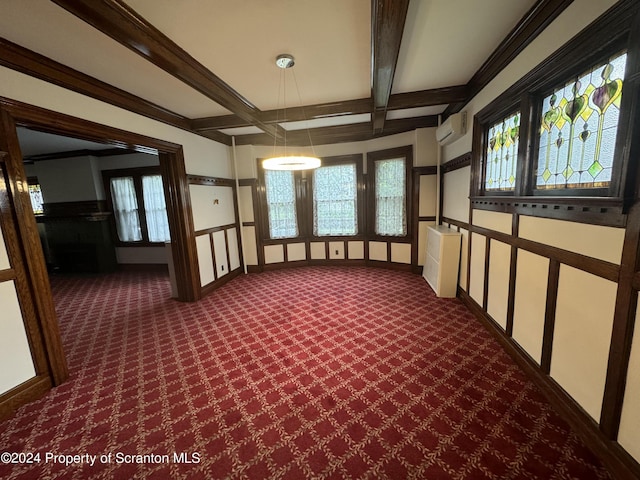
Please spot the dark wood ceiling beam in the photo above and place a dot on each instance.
(398, 101)
(31, 63)
(342, 133)
(427, 98)
(543, 13)
(387, 25)
(120, 22)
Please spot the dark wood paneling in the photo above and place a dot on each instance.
(211, 181)
(541, 15)
(29, 391)
(105, 152)
(23, 60)
(550, 315)
(425, 98)
(461, 161)
(387, 25)
(127, 27)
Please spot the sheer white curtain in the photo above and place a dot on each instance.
(125, 208)
(334, 200)
(155, 208)
(281, 203)
(390, 185)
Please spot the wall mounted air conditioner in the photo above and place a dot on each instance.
(452, 128)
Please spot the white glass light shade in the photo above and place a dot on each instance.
(291, 162)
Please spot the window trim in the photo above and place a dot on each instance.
(360, 205)
(591, 205)
(136, 173)
(372, 157)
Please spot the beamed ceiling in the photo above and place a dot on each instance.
(364, 68)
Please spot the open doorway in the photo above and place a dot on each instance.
(98, 208)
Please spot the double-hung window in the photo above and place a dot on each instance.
(335, 200)
(389, 180)
(139, 209)
(280, 190)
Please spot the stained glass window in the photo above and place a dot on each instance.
(502, 154)
(390, 191)
(335, 200)
(281, 203)
(579, 123)
(37, 203)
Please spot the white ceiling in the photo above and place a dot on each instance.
(444, 43)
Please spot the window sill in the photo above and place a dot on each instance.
(593, 210)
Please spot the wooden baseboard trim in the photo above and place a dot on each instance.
(210, 287)
(24, 393)
(618, 461)
(144, 267)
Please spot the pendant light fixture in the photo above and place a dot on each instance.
(286, 161)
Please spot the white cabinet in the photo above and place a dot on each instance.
(442, 260)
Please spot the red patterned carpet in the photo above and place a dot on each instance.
(324, 373)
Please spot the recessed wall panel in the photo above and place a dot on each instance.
(4, 256)
(220, 251)
(499, 266)
(296, 252)
(476, 281)
(318, 251)
(455, 194)
(464, 258)
(629, 434)
(205, 259)
(584, 319)
(15, 354)
(401, 253)
(246, 204)
(212, 206)
(250, 247)
(273, 254)
(234, 254)
(498, 221)
(595, 241)
(427, 205)
(336, 250)
(355, 250)
(423, 234)
(378, 251)
(530, 301)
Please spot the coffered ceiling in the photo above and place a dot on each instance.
(363, 68)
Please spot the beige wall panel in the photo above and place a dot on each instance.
(296, 252)
(234, 253)
(455, 198)
(318, 251)
(220, 252)
(595, 241)
(464, 258)
(355, 250)
(246, 204)
(499, 265)
(584, 318)
(498, 221)
(250, 251)
(336, 250)
(532, 273)
(273, 254)
(205, 259)
(428, 193)
(423, 234)
(629, 434)
(478, 248)
(206, 212)
(15, 354)
(4, 256)
(401, 253)
(378, 251)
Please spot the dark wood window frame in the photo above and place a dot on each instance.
(407, 153)
(137, 174)
(605, 206)
(303, 181)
